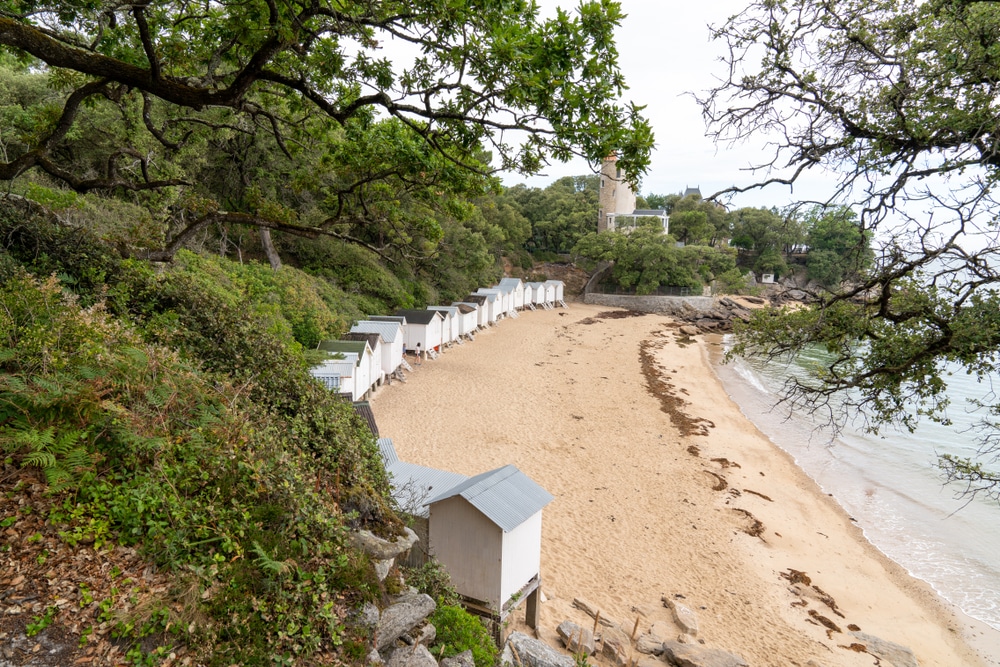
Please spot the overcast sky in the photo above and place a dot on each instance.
(665, 53)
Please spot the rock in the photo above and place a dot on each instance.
(366, 617)
(689, 330)
(694, 655)
(649, 644)
(576, 639)
(706, 324)
(662, 629)
(418, 656)
(374, 658)
(616, 646)
(897, 654)
(592, 611)
(382, 568)
(523, 651)
(648, 662)
(425, 634)
(683, 616)
(406, 613)
(463, 659)
(380, 549)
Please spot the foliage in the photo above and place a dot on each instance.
(839, 249)
(457, 631)
(560, 214)
(694, 220)
(431, 578)
(896, 102)
(645, 259)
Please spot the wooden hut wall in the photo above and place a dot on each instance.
(469, 546)
(522, 548)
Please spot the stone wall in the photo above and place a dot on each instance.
(668, 305)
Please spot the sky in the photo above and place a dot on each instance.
(665, 53)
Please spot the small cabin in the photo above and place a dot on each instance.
(374, 341)
(487, 533)
(392, 341)
(558, 296)
(537, 292)
(338, 374)
(361, 380)
(468, 318)
(494, 303)
(481, 302)
(450, 327)
(517, 291)
(504, 299)
(423, 327)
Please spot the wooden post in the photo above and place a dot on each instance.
(531, 609)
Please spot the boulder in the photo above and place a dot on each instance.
(592, 611)
(575, 638)
(897, 654)
(649, 644)
(418, 656)
(378, 548)
(463, 659)
(523, 651)
(683, 616)
(406, 613)
(696, 655)
(616, 646)
(689, 330)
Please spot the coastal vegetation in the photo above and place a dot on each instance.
(896, 102)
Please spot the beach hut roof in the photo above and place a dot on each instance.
(477, 298)
(388, 330)
(553, 282)
(357, 347)
(513, 282)
(506, 496)
(447, 309)
(419, 316)
(491, 295)
(371, 338)
(388, 318)
(536, 285)
(503, 289)
(466, 308)
(364, 410)
(412, 483)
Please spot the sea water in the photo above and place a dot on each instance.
(890, 484)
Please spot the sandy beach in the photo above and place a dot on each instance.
(663, 488)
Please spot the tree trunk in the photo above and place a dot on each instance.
(272, 254)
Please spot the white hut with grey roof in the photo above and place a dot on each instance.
(468, 318)
(392, 341)
(487, 533)
(517, 290)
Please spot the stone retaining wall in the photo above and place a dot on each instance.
(670, 305)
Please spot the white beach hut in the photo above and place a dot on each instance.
(550, 293)
(517, 291)
(481, 301)
(487, 533)
(357, 381)
(558, 293)
(374, 341)
(499, 302)
(392, 341)
(450, 327)
(490, 303)
(537, 292)
(338, 373)
(468, 318)
(424, 327)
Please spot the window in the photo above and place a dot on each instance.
(330, 381)
(602, 181)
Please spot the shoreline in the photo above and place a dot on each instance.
(661, 494)
(980, 635)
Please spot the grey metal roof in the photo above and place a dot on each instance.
(364, 410)
(478, 298)
(388, 451)
(506, 496)
(491, 295)
(419, 316)
(357, 347)
(373, 339)
(657, 212)
(503, 289)
(388, 330)
(388, 318)
(535, 285)
(453, 310)
(513, 282)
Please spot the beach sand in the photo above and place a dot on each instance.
(663, 488)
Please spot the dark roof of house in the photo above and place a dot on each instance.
(696, 190)
(387, 318)
(419, 316)
(364, 410)
(353, 346)
(464, 308)
(477, 298)
(372, 338)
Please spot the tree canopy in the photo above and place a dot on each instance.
(897, 100)
(347, 104)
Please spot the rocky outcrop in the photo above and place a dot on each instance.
(575, 638)
(463, 659)
(683, 617)
(383, 552)
(407, 612)
(523, 651)
(696, 655)
(417, 656)
(895, 654)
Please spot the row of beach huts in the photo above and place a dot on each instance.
(374, 351)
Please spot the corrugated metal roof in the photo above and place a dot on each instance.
(477, 298)
(357, 347)
(371, 337)
(419, 316)
(466, 308)
(506, 496)
(452, 310)
(388, 451)
(513, 282)
(388, 318)
(412, 485)
(504, 289)
(388, 330)
(553, 282)
(491, 295)
(364, 410)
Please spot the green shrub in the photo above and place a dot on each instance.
(431, 578)
(457, 631)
